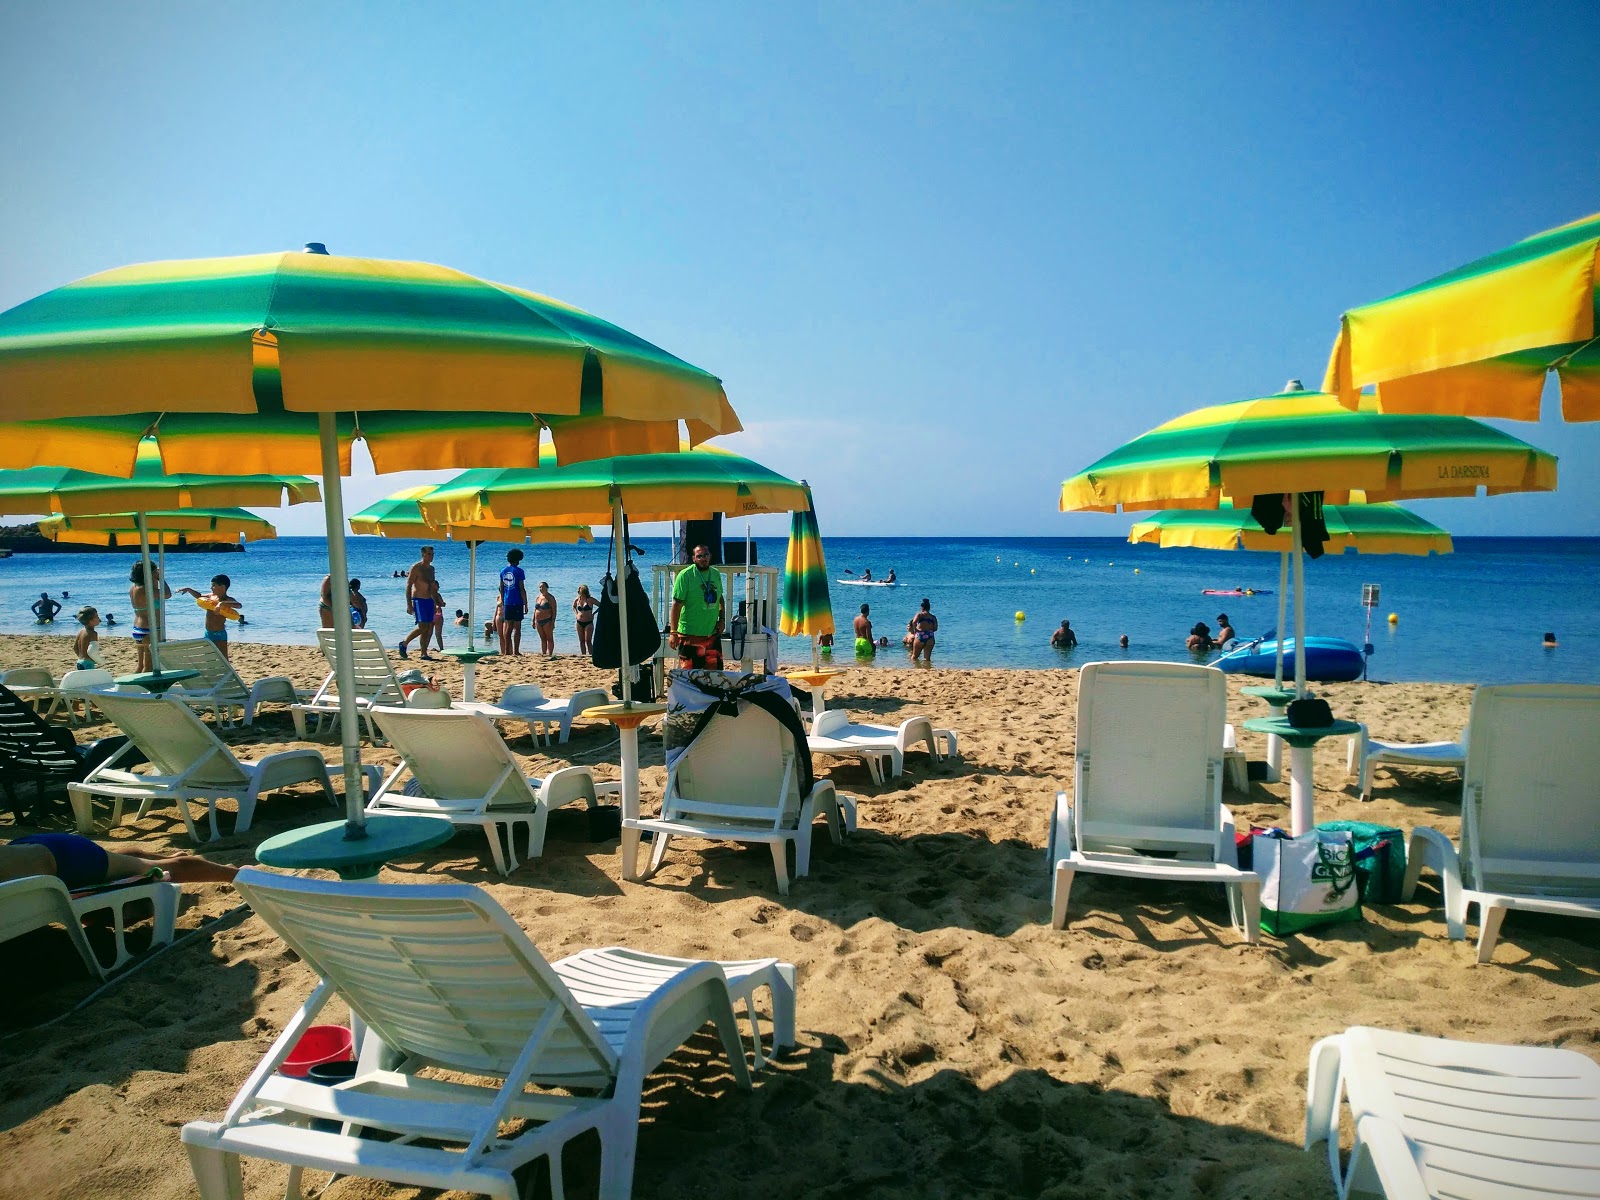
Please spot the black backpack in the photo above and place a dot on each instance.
(644, 635)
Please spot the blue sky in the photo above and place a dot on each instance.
(942, 256)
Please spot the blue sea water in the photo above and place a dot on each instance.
(1475, 616)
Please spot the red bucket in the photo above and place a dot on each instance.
(319, 1044)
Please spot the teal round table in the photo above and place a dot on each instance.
(469, 660)
(157, 681)
(1277, 699)
(388, 836)
(1301, 738)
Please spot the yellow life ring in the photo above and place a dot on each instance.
(210, 605)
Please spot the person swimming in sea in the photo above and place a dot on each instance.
(1550, 642)
(1200, 638)
(866, 646)
(45, 609)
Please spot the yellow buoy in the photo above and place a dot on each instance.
(997, 558)
(1111, 564)
(1136, 570)
(1021, 616)
(1016, 564)
(1394, 618)
(1033, 570)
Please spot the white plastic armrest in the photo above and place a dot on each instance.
(1322, 1089)
(1380, 1144)
(1228, 849)
(1058, 837)
(1428, 848)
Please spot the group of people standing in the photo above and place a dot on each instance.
(919, 636)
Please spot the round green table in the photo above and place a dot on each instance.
(1277, 699)
(157, 681)
(387, 836)
(1301, 738)
(469, 660)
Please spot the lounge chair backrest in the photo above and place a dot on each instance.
(1531, 795)
(216, 677)
(523, 695)
(29, 744)
(456, 755)
(830, 722)
(176, 742)
(1149, 756)
(375, 678)
(89, 677)
(739, 768)
(32, 902)
(439, 971)
(27, 677)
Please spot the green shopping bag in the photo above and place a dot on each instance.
(1306, 881)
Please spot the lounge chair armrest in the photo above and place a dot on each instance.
(1322, 1091)
(663, 1021)
(1227, 839)
(608, 787)
(1428, 848)
(1058, 836)
(1381, 1147)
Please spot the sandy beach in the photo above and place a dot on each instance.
(951, 1043)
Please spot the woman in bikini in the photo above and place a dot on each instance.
(544, 620)
(923, 626)
(141, 614)
(584, 607)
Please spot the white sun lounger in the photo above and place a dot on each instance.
(1146, 795)
(186, 762)
(1530, 811)
(455, 765)
(527, 703)
(1437, 1119)
(218, 688)
(35, 901)
(738, 782)
(1366, 752)
(375, 684)
(882, 747)
(443, 978)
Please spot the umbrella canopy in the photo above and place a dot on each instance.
(686, 485)
(1480, 340)
(400, 515)
(235, 357)
(1369, 528)
(807, 609)
(1299, 441)
(74, 492)
(191, 525)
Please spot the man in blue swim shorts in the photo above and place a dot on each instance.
(80, 863)
(420, 583)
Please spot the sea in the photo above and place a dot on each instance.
(1475, 616)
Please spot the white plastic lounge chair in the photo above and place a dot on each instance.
(1437, 1118)
(33, 685)
(1366, 752)
(881, 747)
(375, 683)
(456, 765)
(527, 703)
(39, 900)
(1146, 795)
(186, 762)
(218, 687)
(1530, 811)
(81, 687)
(444, 980)
(738, 782)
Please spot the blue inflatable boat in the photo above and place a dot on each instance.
(1328, 660)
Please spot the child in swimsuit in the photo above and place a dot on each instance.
(584, 606)
(216, 602)
(84, 645)
(544, 620)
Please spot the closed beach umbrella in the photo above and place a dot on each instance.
(278, 361)
(1481, 339)
(1295, 442)
(687, 485)
(85, 496)
(807, 609)
(190, 525)
(400, 515)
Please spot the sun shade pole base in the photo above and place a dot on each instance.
(619, 538)
(152, 588)
(344, 665)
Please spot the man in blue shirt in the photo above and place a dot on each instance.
(513, 603)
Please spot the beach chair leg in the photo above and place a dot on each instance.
(1489, 917)
(492, 830)
(1245, 899)
(1059, 894)
(216, 1173)
(782, 1008)
(82, 809)
(619, 1134)
(802, 849)
(780, 864)
(659, 852)
(630, 854)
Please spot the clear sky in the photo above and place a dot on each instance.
(942, 255)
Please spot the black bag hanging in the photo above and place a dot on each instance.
(1267, 509)
(644, 633)
(607, 644)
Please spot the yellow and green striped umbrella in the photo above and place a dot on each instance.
(1299, 441)
(400, 515)
(190, 525)
(807, 609)
(687, 485)
(1368, 528)
(230, 360)
(1480, 340)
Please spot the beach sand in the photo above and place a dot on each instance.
(951, 1043)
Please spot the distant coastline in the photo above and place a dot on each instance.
(26, 539)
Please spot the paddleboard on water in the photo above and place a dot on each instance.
(1235, 592)
(869, 582)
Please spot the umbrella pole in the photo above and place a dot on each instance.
(472, 594)
(1301, 817)
(151, 584)
(619, 538)
(344, 664)
(1283, 614)
(161, 570)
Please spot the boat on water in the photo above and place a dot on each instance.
(1328, 660)
(869, 582)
